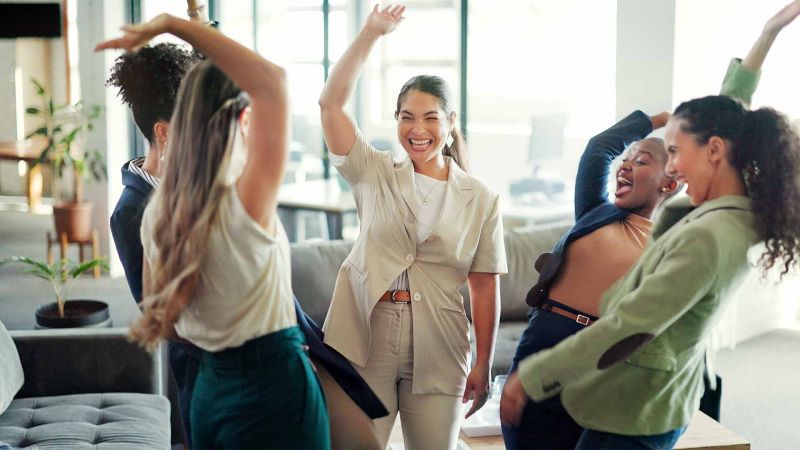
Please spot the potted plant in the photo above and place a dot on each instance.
(65, 313)
(64, 128)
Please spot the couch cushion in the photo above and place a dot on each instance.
(523, 246)
(88, 421)
(315, 266)
(11, 376)
(506, 345)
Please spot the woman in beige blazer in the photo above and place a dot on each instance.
(427, 227)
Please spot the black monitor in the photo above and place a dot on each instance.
(42, 20)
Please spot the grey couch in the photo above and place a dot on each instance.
(86, 389)
(316, 264)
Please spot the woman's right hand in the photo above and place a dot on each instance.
(386, 20)
(136, 36)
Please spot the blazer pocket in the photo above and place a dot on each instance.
(657, 361)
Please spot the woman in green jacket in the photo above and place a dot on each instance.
(633, 379)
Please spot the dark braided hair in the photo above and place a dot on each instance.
(148, 81)
(766, 151)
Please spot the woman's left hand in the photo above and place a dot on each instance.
(477, 387)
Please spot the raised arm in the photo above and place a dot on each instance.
(337, 125)
(262, 80)
(755, 58)
(741, 79)
(591, 183)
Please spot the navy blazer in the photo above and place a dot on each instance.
(593, 209)
(125, 224)
(126, 220)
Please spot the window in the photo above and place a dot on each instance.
(541, 77)
(292, 34)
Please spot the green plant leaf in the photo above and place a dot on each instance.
(88, 265)
(40, 90)
(40, 274)
(70, 137)
(37, 132)
(37, 266)
(33, 111)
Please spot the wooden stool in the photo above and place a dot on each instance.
(63, 242)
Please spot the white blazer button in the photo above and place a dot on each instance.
(417, 297)
(409, 258)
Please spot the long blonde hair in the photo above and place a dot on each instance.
(202, 133)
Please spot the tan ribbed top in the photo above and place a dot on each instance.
(595, 261)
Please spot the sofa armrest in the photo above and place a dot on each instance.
(78, 361)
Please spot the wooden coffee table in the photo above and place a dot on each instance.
(703, 433)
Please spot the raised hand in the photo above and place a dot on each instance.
(136, 36)
(384, 21)
(660, 120)
(784, 17)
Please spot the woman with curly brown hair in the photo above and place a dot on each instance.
(634, 377)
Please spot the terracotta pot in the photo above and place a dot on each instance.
(75, 219)
(77, 313)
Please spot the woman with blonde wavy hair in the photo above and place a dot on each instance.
(216, 267)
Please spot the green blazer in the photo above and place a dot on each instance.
(638, 370)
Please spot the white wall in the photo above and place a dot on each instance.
(645, 37)
(8, 94)
(99, 20)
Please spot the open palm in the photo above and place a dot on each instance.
(385, 20)
(137, 35)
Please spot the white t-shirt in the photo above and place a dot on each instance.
(245, 287)
(430, 198)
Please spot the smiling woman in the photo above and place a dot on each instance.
(432, 228)
(427, 123)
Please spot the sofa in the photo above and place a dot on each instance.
(82, 389)
(316, 264)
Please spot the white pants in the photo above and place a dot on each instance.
(429, 421)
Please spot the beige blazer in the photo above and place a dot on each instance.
(467, 237)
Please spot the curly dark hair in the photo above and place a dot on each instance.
(148, 81)
(766, 151)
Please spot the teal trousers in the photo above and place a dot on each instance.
(261, 395)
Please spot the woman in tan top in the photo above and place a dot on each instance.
(220, 275)
(427, 227)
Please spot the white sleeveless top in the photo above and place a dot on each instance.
(245, 287)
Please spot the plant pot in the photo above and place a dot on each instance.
(75, 219)
(77, 313)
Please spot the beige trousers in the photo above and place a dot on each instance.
(429, 421)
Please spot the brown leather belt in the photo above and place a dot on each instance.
(396, 296)
(579, 318)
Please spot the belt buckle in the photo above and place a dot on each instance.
(392, 299)
(583, 320)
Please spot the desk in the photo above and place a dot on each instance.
(703, 433)
(324, 196)
(27, 151)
